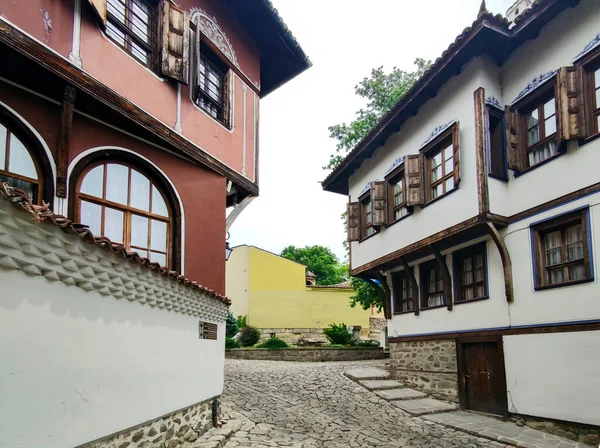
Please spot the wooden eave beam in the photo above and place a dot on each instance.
(380, 293)
(83, 82)
(447, 278)
(410, 272)
(63, 145)
(506, 262)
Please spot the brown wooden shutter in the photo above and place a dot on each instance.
(379, 199)
(175, 35)
(413, 172)
(456, 155)
(353, 221)
(571, 103)
(514, 140)
(100, 8)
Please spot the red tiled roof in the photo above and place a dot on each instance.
(43, 214)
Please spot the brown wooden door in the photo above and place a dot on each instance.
(482, 379)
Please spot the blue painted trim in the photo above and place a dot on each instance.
(365, 189)
(533, 256)
(494, 102)
(437, 131)
(590, 245)
(583, 207)
(536, 82)
(504, 147)
(589, 47)
(399, 161)
(559, 205)
(511, 327)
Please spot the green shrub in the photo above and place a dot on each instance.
(231, 343)
(231, 328)
(273, 344)
(338, 334)
(241, 322)
(249, 336)
(367, 343)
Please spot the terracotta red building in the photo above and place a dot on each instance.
(140, 118)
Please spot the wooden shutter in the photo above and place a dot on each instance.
(353, 221)
(379, 199)
(100, 8)
(413, 172)
(175, 42)
(456, 155)
(514, 140)
(571, 103)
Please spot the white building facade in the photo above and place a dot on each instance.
(473, 205)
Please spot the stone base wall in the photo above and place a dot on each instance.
(585, 434)
(185, 425)
(427, 365)
(306, 354)
(293, 335)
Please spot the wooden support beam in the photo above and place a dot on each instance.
(380, 292)
(480, 151)
(506, 262)
(387, 308)
(64, 140)
(410, 271)
(447, 278)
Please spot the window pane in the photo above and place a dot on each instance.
(449, 166)
(117, 9)
(478, 275)
(597, 80)
(437, 191)
(91, 215)
(158, 235)
(553, 239)
(139, 231)
(577, 272)
(92, 182)
(556, 276)
(400, 213)
(2, 147)
(533, 136)
(550, 124)
(469, 293)
(140, 20)
(479, 261)
(115, 33)
(159, 258)
(436, 173)
(19, 159)
(158, 204)
(139, 53)
(113, 225)
(437, 160)
(450, 184)
(542, 153)
(549, 109)
(27, 187)
(597, 95)
(575, 252)
(435, 299)
(574, 234)
(140, 191)
(117, 183)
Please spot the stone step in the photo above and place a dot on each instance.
(423, 406)
(400, 394)
(367, 373)
(380, 384)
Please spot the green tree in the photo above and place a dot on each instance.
(381, 90)
(231, 327)
(364, 295)
(319, 260)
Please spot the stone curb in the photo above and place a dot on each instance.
(217, 437)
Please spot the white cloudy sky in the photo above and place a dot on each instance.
(344, 39)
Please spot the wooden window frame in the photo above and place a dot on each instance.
(424, 269)
(397, 287)
(590, 93)
(457, 260)
(439, 145)
(127, 210)
(494, 153)
(130, 36)
(538, 230)
(364, 200)
(393, 178)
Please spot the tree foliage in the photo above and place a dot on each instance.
(364, 295)
(319, 260)
(231, 328)
(381, 90)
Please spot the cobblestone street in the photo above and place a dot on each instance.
(305, 405)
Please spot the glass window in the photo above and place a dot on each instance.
(432, 285)
(124, 205)
(402, 290)
(470, 273)
(541, 132)
(211, 89)
(440, 165)
(398, 207)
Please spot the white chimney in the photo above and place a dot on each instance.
(518, 8)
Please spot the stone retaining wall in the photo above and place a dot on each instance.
(427, 365)
(306, 354)
(185, 425)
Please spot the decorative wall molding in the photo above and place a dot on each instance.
(437, 131)
(365, 189)
(399, 161)
(210, 28)
(494, 102)
(534, 84)
(39, 249)
(595, 42)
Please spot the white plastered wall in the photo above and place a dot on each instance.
(554, 375)
(454, 101)
(91, 344)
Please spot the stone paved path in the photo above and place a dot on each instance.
(309, 405)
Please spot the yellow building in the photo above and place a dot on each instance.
(275, 295)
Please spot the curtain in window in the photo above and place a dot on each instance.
(543, 152)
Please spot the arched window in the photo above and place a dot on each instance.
(17, 165)
(119, 202)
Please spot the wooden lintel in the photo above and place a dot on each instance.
(506, 262)
(480, 151)
(447, 278)
(414, 284)
(85, 83)
(64, 140)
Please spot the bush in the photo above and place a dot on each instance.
(338, 334)
(367, 343)
(241, 322)
(231, 328)
(231, 343)
(248, 336)
(273, 344)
